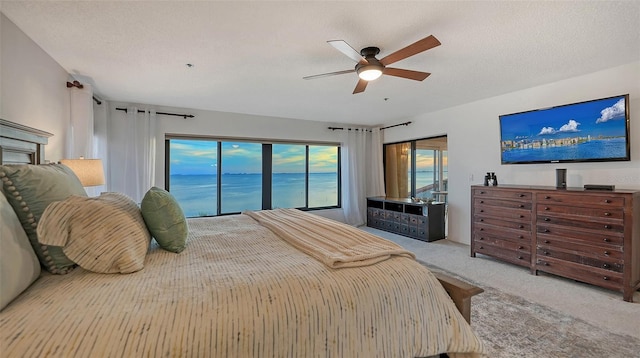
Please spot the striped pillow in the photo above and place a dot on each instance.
(104, 234)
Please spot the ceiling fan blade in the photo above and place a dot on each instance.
(409, 74)
(360, 87)
(346, 49)
(416, 47)
(328, 74)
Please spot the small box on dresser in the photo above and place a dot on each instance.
(589, 236)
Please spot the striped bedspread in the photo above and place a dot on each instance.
(237, 291)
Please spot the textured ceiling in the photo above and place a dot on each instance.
(250, 57)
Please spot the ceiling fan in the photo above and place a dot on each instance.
(369, 68)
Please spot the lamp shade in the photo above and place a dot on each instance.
(89, 171)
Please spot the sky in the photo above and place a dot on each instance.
(199, 157)
(599, 117)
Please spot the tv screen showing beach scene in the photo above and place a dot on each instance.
(596, 130)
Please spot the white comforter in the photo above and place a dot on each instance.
(237, 291)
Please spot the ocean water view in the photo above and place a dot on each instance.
(593, 149)
(197, 194)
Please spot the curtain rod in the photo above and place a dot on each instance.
(387, 127)
(185, 116)
(99, 102)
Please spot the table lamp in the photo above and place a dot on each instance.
(89, 171)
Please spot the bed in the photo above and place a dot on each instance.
(258, 284)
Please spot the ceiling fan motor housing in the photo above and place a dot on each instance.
(372, 64)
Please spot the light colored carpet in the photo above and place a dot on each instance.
(601, 309)
(511, 326)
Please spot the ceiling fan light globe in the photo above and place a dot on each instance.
(369, 74)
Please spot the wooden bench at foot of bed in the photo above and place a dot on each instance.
(460, 292)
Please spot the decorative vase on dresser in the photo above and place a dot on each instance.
(591, 236)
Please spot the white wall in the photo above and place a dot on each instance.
(33, 87)
(474, 144)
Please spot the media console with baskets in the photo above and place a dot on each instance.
(590, 236)
(401, 216)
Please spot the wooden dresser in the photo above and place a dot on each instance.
(586, 235)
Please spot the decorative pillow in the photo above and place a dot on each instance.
(30, 189)
(104, 234)
(19, 265)
(165, 219)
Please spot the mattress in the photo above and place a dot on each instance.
(238, 290)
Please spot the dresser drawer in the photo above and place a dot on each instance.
(522, 246)
(611, 265)
(501, 203)
(578, 199)
(609, 252)
(515, 257)
(511, 214)
(517, 225)
(495, 231)
(607, 213)
(588, 274)
(595, 238)
(505, 194)
(584, 223)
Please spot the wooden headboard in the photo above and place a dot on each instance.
(21, 144)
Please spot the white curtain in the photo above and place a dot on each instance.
(131, 151)
(375, 180)
(80, 136)
(361, 172)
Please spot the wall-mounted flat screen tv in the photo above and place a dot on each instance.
(596, 130)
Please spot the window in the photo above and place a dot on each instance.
(323, 176)
(193, 175)
(250, 175)
(417, 169)
(241, 179)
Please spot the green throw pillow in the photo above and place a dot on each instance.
(165, 219)
(30, 189)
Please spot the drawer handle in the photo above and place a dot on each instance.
(521, 205)
(481, 220)
(520, 237)
(482, 192)
(521, 226)
(547, 197)
(547, 219)
(481, 238)
(481, 247)
(605, 278)
(522, 195)
(520, 257)
(546, 241)
(546, 208)
(520, 247)
(606, 239)
(607, 226)
(521, 216)
(481, 229)
(482, 210)
(606, 265)
(546, 253)
(607, 214)
(546, 263)
(607, 253)
(481, 201)
(607, 201)
(546, 230)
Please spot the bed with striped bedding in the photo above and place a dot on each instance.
(238, 290)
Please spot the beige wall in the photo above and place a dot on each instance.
(33, 87)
